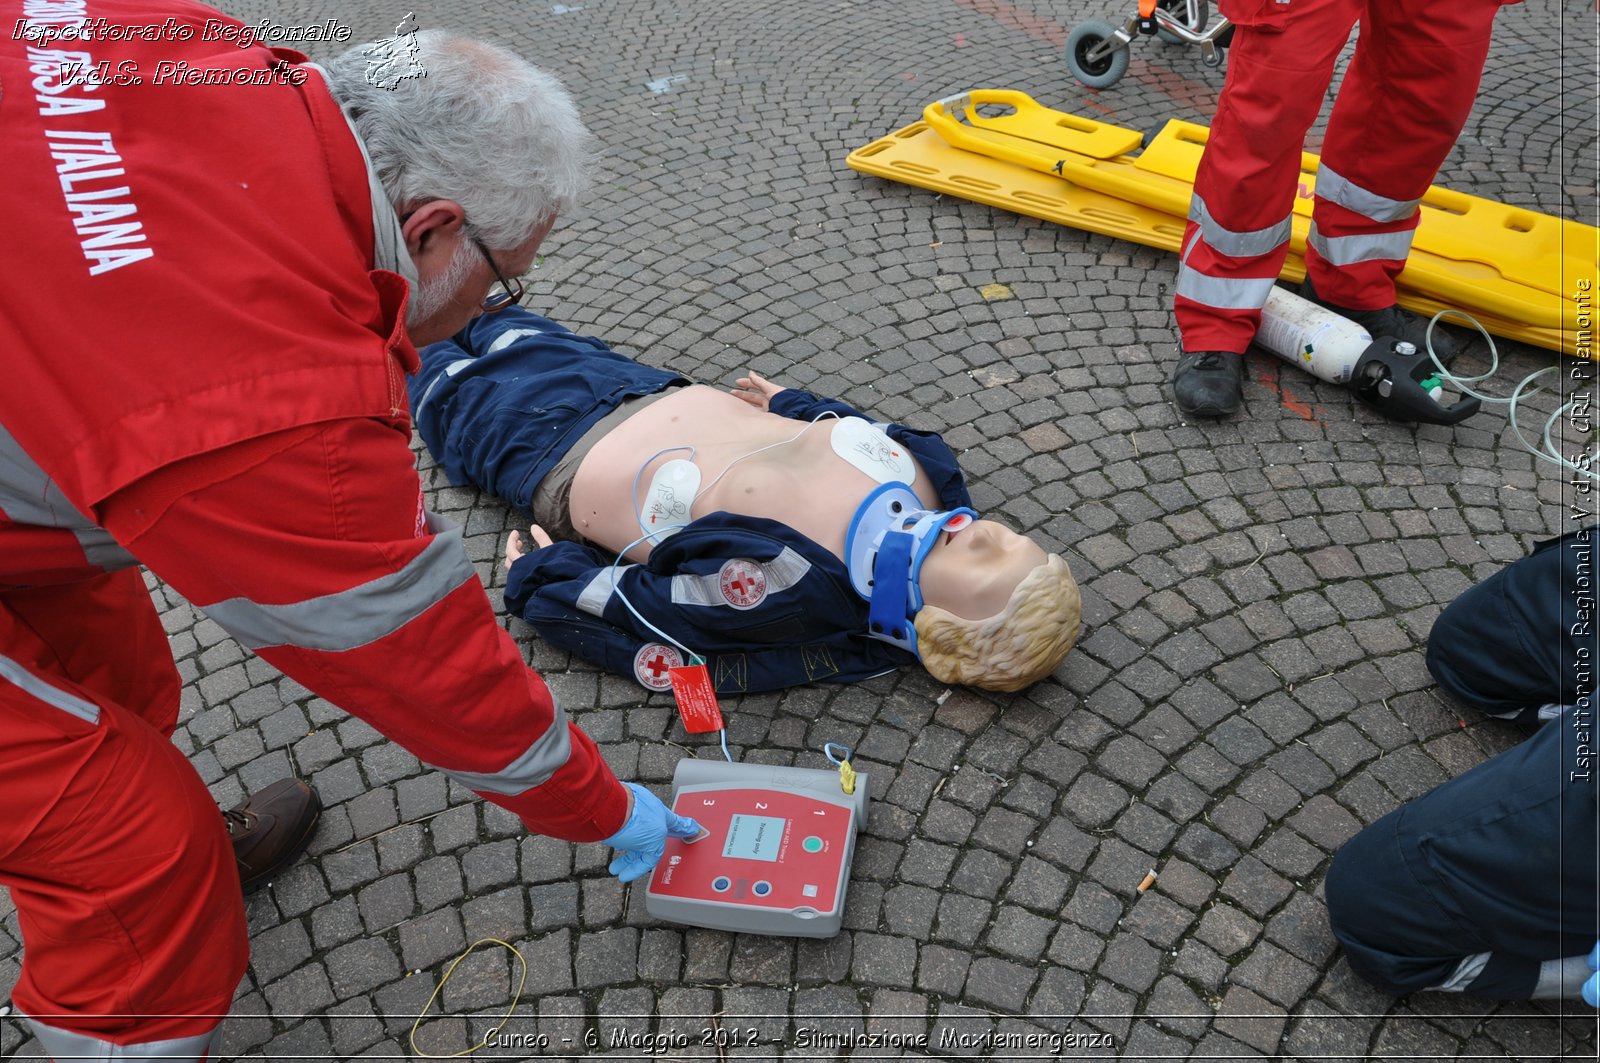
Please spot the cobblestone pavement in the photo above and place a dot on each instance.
(1248, 693)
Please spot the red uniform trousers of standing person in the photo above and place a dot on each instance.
(1403, 103)
(124, 881)
(116, 856)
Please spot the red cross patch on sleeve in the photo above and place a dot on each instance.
(653, 664)
(743, 583)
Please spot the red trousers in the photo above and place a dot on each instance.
(116, 857)
(311, 542)
(1403, 103)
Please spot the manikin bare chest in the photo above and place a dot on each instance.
(750, 462)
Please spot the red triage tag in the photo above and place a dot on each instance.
(697, 702)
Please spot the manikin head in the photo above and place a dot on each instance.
(976, 602)
(998, 612)
(484, 149)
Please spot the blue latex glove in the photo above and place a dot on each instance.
(644, 837)
(1591, 988)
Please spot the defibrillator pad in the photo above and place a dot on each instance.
(666, 504)
(868, 448)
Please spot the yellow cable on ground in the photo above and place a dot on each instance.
(515, 997)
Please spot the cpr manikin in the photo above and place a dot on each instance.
(725, 521)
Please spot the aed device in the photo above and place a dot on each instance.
(774, 855)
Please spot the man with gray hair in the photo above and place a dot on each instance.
(481, 132)
(208, 332)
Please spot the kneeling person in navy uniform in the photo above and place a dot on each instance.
(1487, 885)
(783, 536)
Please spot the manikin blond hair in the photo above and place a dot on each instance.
(1016, 647)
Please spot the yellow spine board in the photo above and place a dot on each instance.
(1081, 173)
(917, 156)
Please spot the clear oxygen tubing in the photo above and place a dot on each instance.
(1527, 387)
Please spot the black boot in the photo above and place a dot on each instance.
(1208, 383)
(1390, 321)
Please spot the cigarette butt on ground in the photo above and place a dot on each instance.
(1149, 880)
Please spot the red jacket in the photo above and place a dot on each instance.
(204, 372)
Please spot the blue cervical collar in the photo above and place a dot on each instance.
(889, 538)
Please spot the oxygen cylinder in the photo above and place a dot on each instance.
(1311, 337)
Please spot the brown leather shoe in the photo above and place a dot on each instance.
(271, 829)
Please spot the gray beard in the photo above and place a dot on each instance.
(428, 298)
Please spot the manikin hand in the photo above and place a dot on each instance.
(756, 390)
(514, 548)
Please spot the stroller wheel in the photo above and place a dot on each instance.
(1097, 71)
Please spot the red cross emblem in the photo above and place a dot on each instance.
(652, 662)
(743, 583)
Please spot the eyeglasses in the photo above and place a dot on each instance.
(509, 293)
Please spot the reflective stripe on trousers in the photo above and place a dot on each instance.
(64, 1044)
(1363, 247)
(32, 685)
(1335, 188)
(1231, 293)
(1238, 244)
